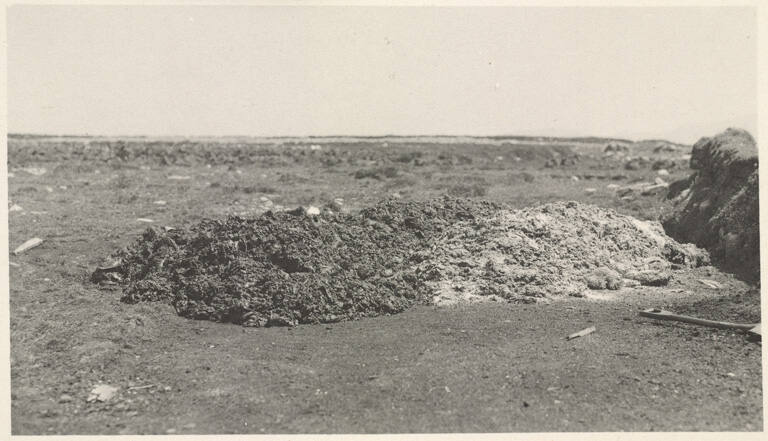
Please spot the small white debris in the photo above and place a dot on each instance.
(36, 171)
(11, 175)
(144, 219)
(731, 374)
(159, 202)
(711, 283)
(590, 190)
(28, 245)
(179, 177)
(630, 283)
(660, 181)
(574, 178)
(315, 147)
(499, 158)
(49, 189)
(63, 187)
(144, 167)
(612, 186)
(13, 264)
(15, 207)
(313, 211)
(581, 333)
(663, 172)
(102, 392)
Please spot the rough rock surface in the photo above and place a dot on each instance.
(717, 206)
(285, 268)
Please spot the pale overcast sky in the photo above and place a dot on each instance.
(670, 73)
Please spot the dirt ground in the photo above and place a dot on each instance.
(494, 367)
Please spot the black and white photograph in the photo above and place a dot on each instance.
(393, 219)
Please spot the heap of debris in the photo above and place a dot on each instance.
(285, 268)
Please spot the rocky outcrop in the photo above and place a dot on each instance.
(717, 207)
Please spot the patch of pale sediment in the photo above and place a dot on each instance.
(447, 293)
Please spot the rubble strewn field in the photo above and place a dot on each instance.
(446, 273)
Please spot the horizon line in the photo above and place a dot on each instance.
(496, 136)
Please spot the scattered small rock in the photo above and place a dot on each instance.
(650, 277)
(102, 392)
(35, 171)
(711, 283)
(28, 245)
(630, 283)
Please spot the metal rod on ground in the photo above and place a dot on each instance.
(660, 314)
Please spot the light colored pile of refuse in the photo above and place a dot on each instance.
(557, 249)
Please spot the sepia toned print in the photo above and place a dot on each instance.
(369, 220)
